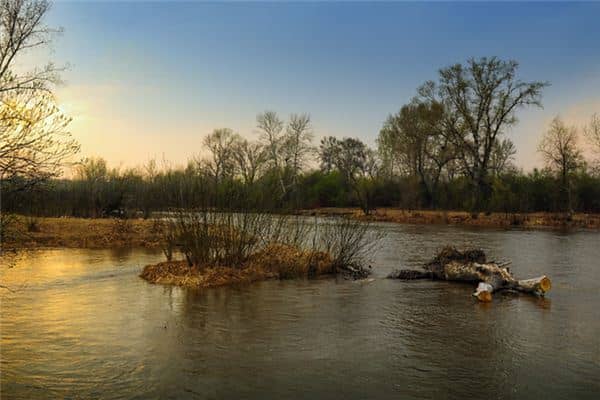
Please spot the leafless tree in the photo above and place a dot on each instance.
(34, 142)
(272, 137)
(22, 29)
(560, 150)
(297, 144)
(92, 173)
(250, 159)
(592, 134)
(221, 162)
(480, 99)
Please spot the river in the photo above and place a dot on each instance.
(81, 324)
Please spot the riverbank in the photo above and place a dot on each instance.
(538, 220)
(276, 261)
(83, 233)
(108, 233)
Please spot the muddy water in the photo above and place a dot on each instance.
(81, 324)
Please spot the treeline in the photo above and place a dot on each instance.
(446, 149)
(98, 191)
(131, 192)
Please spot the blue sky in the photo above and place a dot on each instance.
(150, 79)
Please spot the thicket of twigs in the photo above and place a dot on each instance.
(288, 245)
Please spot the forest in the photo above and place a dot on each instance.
(414, 167)
(447, 148)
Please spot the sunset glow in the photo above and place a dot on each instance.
(218, 65)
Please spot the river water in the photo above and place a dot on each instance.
(81, 324)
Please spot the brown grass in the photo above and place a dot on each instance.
(276, 261)
(179, 273)
(86, 233)
(291, 262)
(525, 220)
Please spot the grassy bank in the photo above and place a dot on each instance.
(107, 233)
(276, 261)
(82, 233)
(525, 220)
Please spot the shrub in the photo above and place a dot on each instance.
(288, 245)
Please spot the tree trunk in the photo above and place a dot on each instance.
(471, 266)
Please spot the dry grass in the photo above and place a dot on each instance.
(291, 262)
(276, 261)
(86, 233)
(179, 273)
(526, 220)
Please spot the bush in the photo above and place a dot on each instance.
(288, 245)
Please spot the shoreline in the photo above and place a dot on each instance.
(534, 221)
(102, 233)
(90, 233)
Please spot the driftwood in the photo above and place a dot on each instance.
(471, 266)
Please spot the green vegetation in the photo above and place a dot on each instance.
(139, 193)
(446, 149)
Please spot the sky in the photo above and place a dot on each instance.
(151, 79)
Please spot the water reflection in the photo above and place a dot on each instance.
(87, 326)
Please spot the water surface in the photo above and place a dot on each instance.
(81, 324)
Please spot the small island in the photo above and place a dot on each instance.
(220, 249)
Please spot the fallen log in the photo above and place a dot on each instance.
(471, 266)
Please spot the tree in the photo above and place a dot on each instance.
(221, 162)
(250, 159)
(22, 29)
(502, 156)
(413, 138)
(34, 142)
(287, 150)
(92, 174)
(327, 153)
(561, 154)
(356, 163)
(480, 100)
(592, 133)
(271, 128)
(297, 144)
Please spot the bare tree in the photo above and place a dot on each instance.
(221, 144)
(92, 173)
(561, 154)
(297, 144)
(592, 134)
(271, 135)
(34, 142)
(250, 159)
(480, 100)
(22, 28)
